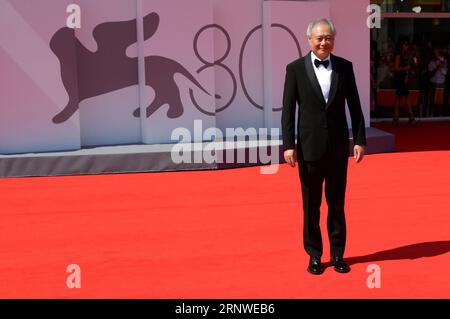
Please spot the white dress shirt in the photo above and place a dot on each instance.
(323, 75)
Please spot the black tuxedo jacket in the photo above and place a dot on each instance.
(321, 124)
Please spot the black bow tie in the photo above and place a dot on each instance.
(325, 63)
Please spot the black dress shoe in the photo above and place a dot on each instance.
(339, 264)
(315, 266)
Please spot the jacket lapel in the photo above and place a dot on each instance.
(312, 77)
(334, 80)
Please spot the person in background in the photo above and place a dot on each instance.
(424, 85)
(437, 69)
(402, 65)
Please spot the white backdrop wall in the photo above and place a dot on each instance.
(240, 79)
(138, 69)
(107, 118)
(170, 62)
(31, 90)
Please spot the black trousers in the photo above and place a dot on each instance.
(331, 169)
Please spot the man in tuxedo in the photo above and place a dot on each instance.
(320, 83)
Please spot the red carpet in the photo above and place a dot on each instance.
(229, 234)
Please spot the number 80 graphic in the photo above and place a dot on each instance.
(219, 63)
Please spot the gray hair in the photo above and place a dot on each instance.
(320, 21)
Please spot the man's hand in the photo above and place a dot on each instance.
(290, 157)
(358, 152)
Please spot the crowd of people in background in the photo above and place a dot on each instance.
(406, 66)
